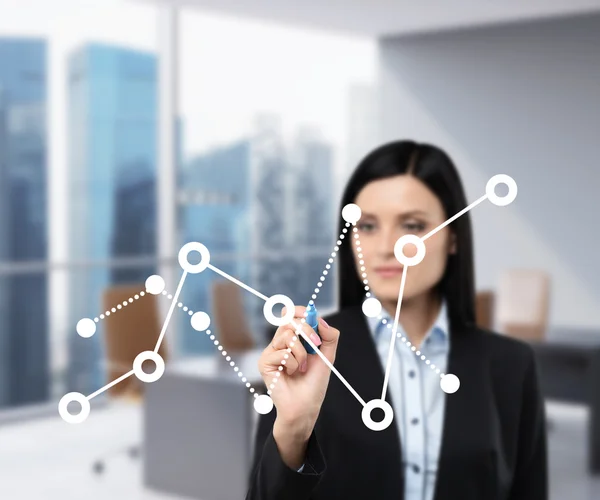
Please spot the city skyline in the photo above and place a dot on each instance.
(112, 184)
(112, 172)
(64, 38)
(267, 196)
(24, 342)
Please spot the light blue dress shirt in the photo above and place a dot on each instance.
(417, 398)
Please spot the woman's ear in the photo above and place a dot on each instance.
(452, 244)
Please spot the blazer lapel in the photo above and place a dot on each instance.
(363, 369)
(361, 348)
(464, 415)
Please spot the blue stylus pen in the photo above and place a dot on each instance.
(313, 321)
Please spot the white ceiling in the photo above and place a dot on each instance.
(393, 17)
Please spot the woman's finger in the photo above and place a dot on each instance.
(271, 361)
(298, 312)
(330, 337)
(288, 338)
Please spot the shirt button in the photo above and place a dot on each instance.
(411, 374)
(416, 469)
(414, 421)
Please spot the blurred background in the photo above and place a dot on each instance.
(130, 127)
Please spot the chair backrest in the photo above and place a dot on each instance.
(522, 303)
(129, 331)
(230, 318)
(484, 309)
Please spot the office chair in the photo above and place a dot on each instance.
(522, 305)
(127, 332)
(229, 316)
(484, 309)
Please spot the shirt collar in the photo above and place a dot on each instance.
(440, 327)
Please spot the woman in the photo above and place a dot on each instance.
(486, 441)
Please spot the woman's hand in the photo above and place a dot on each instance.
(302, 385)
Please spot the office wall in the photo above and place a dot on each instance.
(522, 100)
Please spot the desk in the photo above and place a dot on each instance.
(569, 361)
(199, 423)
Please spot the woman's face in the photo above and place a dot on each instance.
(391, 208)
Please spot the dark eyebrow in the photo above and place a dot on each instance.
(401, 215)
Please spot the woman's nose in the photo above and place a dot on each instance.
(387, 242)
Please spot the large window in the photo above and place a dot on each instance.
(264, 137)
(78, 92)
(261, 152)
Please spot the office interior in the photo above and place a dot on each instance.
(130, 128)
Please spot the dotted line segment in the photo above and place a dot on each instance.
(119, 306)
(218, 345)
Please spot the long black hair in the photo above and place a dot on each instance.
(432, 166)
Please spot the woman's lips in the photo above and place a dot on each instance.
(388, 272)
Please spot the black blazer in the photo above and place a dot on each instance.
(494, 439)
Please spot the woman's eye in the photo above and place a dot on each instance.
(414, 227)
(365, 226)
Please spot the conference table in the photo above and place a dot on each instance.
(569, 363)
(199, 425)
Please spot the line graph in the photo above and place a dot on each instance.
(371, 307)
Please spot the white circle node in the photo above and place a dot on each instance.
(399, 250)
(490, 190)
(387, 410)
(184, 253)
(155, 284)
(145, 356)
(279, 299)
(351, 213)
(64, 412)
(450, 383)
(86, 327)
(263, 404)
(371, 307)
(200, 321)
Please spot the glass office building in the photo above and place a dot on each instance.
(24, 347)
(292, 218)
(214, 196)
(263, 210)
(315, 216)
(112, 173)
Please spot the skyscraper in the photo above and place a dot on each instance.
(25, 376)
(215, 194)
(112, 172)
(272, 203)
(314, 221)
(277, 267)
(135, 227)
(291, 219)
(4, 221)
